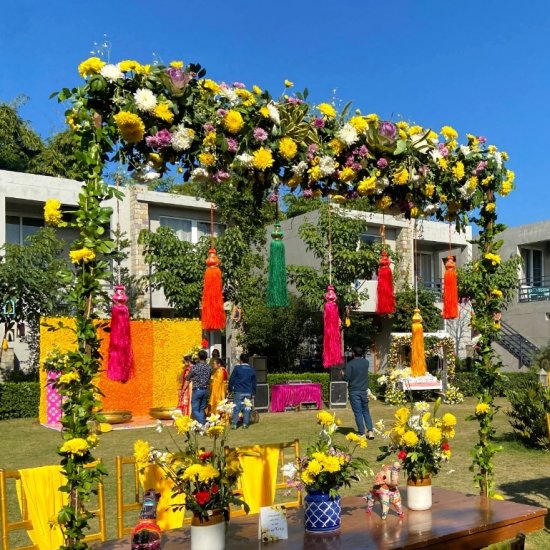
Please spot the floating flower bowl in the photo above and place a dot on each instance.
(162, 413)
(116, 417)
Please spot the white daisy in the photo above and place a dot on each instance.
(274, 113)
(245, 159)
(145, 99)
(182, 138)
(111, 72)
(347, 134)
(327, 165)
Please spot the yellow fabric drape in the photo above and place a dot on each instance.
(259, 477)
(152, 477)
(44, 500)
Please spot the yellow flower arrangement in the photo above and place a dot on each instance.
(493, 258)
(288, 148)
(128, 65)
(52, 213)
(162, 111)
(75, 446)
(68, 377)
(262, 159)
(233, 121)
(482, 408)
(327, 109)
(130, 126)
(211, 86)
(401, 177)
(90, 66)
(458, 170)
(449, 132)
(367, 186)
(81, 255)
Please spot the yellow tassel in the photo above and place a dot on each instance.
(418, 357)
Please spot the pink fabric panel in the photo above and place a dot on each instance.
(53, 401)
(290, 395)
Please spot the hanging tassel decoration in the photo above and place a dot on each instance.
(119, 365)
(277, 295)
(213, 314)
(450, 290)
(332, 343)
(385, 302)
(418, 357)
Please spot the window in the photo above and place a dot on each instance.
(425, 266)
(532, 266)
(203, 229)
(181, 227)
(18, 228)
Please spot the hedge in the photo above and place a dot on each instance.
(469, 384)
(19, 400)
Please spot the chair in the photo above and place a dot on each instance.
(548, 424)
(288, 451)
(25, 523)
(517, 543)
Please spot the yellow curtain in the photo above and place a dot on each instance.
(259, 476)
(152, 477)
(44, 500)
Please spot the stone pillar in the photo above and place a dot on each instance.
(404, 246)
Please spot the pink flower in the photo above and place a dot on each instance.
(209, 127)
(232, 145)
(308, 193)
(319, 123)
(382, 163)
(160, 140)
(260, 134)
(238, 85)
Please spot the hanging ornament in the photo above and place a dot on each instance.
(119, 365)
(277, 295)
(332, 343)
(418, 357)
(385, 302)
(213, 314)
(450, 290)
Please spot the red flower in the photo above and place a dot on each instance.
(445, 447)
(215, 489)
(205, 455)
(202, 497)
(402, 455)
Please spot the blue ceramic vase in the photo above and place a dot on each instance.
(322, 513)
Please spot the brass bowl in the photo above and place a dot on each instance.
(162, 413)
(116, 417)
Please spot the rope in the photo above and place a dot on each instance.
(329, 244)
(117, 236)
(415, 264)
(211, 225)
(383, 233)
(449, 238)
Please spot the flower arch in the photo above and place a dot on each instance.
(157, 118)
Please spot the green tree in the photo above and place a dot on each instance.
(405, 303)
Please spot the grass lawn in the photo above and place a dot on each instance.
(523, 475)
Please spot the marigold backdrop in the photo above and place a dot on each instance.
(158, 347)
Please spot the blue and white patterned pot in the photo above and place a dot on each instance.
(322, 513)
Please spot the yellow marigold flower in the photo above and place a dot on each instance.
(492, 149)
(263, 159)
(493, 258)
(490, 207)
(192, 472)
(458, 170)
(211, 86)
(182, 424)
(482, 408)
(207, 159)
(413, 130)
(81, 255)
(93, 440)
(410, 438)
(336, 145)
(505, 188)
(443, 164)
(128, 65)
(367, 186)
(130, 126)
(372, 118)
(288, 148)
(176, 64)
(504, 155)
(143, 69)
(155, 159)
(52, 212)
(307, 478)
(314, 467)
(90, 66)
(496, 292)
(449, 132)
(448, 432)
(325, 418)
(208, 473)
(315, 173)
(347, 174)
(332, 464)
(401, 177)
(288, 84)
(357, 439)
(233, 121)
(162, 111)
(141, 451)
(472, 182)
(294, 181)
(257, 90)
(402, 125)
(76, 446)
(210, 139)
(403, 134)
(327, 109)
(433, 435)
(359, 123)
(432, 135)
(247, 97)
(264, 111)
(486, 181)
(68, 377)
(448, 419)
(510, 176)
(215, 431)
(447, 454)
(402, 415)
(429, 189)
(383, 203)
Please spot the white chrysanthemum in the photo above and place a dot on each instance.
(245, 159)
(182, 138)
(381, 184)
(145, 99)
(436, 155)
(327, 165)
(289, 470)
(371, 396)
(498, 159)
(431, 208)
(299, 168)
(382, 379)
(229, 94)
(274, 114)
(421, 406)
(465, 150)
(111, 72)
(213, 419)
(247, 403)
(199, 174)
(347, 134)
(466, 190)
(225, 406)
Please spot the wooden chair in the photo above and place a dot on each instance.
(288, 451)
(25, 524)
(517, 543)
(548, 424)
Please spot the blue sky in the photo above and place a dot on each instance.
(480, 66)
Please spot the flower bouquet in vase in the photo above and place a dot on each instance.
(326, 467)
(421, 442)
(206, 477)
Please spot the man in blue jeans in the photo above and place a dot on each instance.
(242, 383)
(357, 377)
(200, 376)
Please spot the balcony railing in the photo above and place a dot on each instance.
(534, 290)
(435, 286)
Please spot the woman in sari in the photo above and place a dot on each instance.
(218, 384)
(184, 398)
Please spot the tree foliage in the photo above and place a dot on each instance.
(405, 303)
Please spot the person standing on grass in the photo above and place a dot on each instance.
(242, 383)
(357, 377)
(200, 376)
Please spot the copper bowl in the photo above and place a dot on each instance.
(162, 413)
(116, 417)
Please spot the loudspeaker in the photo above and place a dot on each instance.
(336, 374)
(261, 400)
(259, 364)
(338, 395)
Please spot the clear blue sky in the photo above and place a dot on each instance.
(480, 66)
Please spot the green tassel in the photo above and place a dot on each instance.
(277, 295)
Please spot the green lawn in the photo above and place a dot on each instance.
(523, 475)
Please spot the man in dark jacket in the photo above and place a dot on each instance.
(357, 377)
(242, 383)
(200, 376)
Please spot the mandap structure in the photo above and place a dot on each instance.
(155, 118)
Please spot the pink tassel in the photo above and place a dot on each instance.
(332, 343)
(119, 366)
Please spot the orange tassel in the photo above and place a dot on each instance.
(213, 314)
(450, 290)
(418, 357)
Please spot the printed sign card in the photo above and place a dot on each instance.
(273, 523)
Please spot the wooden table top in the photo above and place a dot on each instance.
(455, 522)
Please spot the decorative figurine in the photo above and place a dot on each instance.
(386, 490)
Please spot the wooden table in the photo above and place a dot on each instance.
(455, 522)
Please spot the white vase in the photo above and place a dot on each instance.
(208, 533)
(419, 494)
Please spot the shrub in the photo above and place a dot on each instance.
(19, 399)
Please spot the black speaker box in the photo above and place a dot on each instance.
(336, 373)
(338, 395)
(261, 400)
(259, 363)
